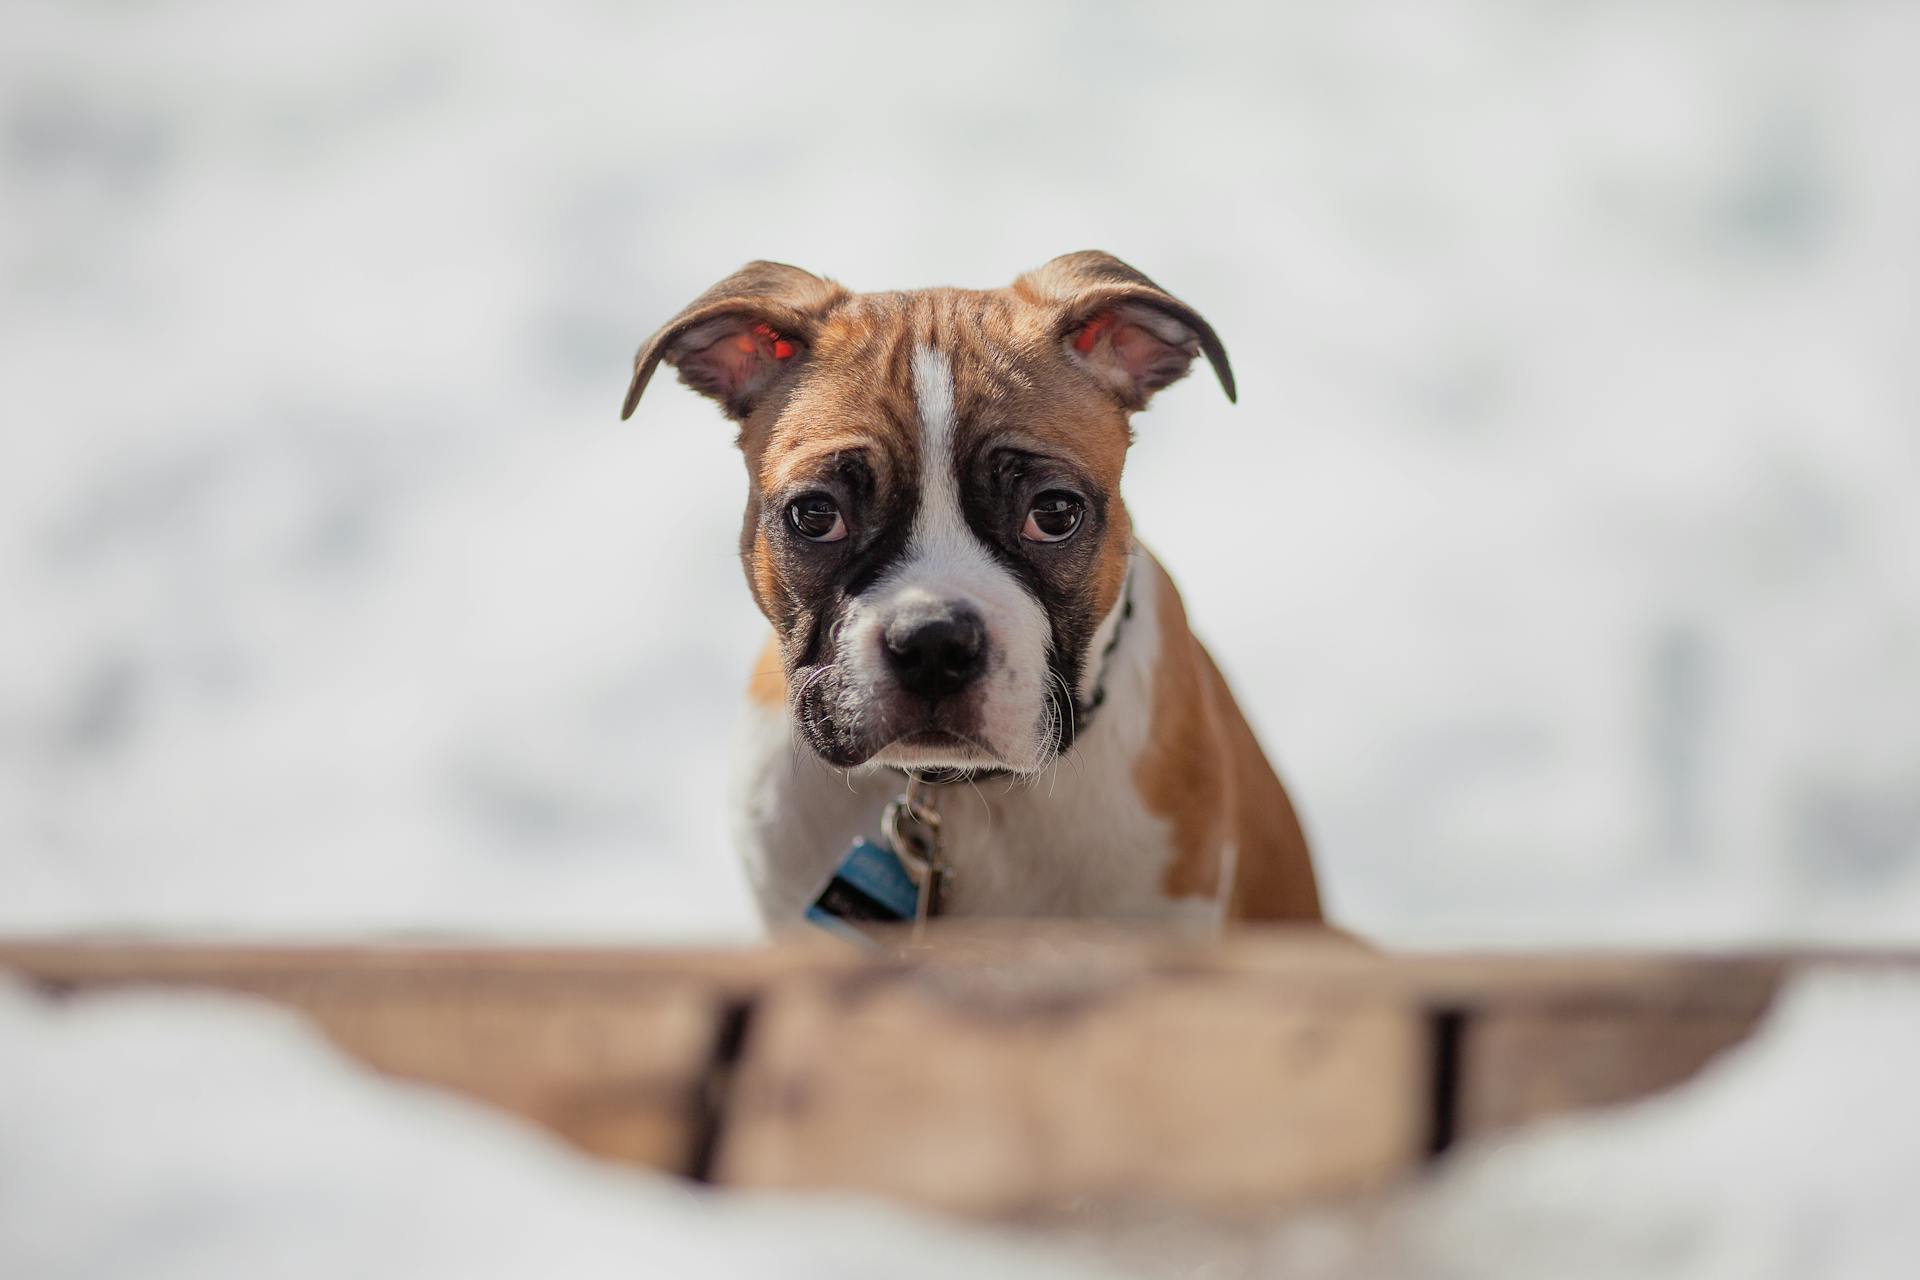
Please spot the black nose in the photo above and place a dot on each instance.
(935, 650)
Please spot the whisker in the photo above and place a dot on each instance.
(1061, 721)
(1079, 769)
(1067, 697)
(974, 786)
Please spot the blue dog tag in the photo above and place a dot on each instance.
(870, 888)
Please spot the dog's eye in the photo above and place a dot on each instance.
(1054, 517)
(817, 518)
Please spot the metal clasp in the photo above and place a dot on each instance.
(912, 827)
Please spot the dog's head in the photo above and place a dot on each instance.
(934, 525)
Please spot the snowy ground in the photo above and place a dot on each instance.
(165, 1136)
(1796, 1155)
(1576, 354)
(1578, 397)
(201, 1138)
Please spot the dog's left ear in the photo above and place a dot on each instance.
(741, 336)
(1127, 331)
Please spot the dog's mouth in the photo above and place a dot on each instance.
(933, 739)
(934, 746)
(852, 727)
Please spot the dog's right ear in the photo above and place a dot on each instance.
(739, 337)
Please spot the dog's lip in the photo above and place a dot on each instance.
(947, 749)
(934, 738)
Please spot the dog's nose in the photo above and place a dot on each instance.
(935, 650)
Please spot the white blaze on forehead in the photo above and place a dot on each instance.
(939, 524)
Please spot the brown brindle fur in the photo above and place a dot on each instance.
(1203, 771)
(1179, 774)
(767, 686)
(1274, 879)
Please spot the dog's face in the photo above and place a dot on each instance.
(934, 525)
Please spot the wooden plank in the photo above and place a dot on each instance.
(1304, 960)
(1211, 1093)
(264, 968)
(1004, 1068)
(1520, 1065)
(610, 1050)
(1512, 979)
(621, 1075)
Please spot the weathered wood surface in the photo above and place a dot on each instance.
(1199, 1089)
(612, 1049)
(999, 1070)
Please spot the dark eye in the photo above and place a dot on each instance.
(1054, 517)
(817, 518)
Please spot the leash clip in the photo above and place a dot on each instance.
(912, 827)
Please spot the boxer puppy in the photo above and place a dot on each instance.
(934, 530)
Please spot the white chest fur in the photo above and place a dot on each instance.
(1075, 840)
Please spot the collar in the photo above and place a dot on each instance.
(1085, 710)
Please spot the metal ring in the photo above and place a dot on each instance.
(910, 847)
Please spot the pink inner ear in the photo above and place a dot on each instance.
(1151, 361)
(1089, 335)
(735, 364)
(1143, 358)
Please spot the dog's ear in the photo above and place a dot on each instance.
(1131, 334)
(739, 337)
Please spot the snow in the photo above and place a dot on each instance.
(1560, 546)
(167, 1135)
(1798, 1154)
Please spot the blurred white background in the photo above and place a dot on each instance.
(1579, 426)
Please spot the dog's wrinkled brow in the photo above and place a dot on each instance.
(817, 459)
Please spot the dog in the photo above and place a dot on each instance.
(935, 532)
